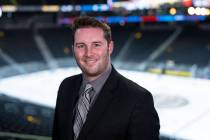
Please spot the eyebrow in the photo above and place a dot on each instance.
(81, 43)
(97, 42)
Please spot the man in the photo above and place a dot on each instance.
(101, 104)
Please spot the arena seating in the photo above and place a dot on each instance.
(120, 35)
(2, 63)
(20, 45)
(146, 42)
(59, 41)
(16, 118)
(192, 46)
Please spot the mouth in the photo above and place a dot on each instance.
(89, 61)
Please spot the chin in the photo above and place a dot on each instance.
(92, 73)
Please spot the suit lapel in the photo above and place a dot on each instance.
(100, 106)
(76, 89)
(75, 94)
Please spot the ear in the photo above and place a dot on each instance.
(72, 49)
(111, 47)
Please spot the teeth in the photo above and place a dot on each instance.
(90, 60)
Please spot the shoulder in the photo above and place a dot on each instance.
(140, 98)
(71, 79)
(127, 86)
(131, 88)
(67, 86)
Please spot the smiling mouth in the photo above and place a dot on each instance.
(90, 61)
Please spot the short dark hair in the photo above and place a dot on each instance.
(86, 21)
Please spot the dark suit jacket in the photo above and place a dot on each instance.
(123, 111)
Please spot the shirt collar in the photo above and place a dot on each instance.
(99, 82)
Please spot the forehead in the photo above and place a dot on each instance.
(89, 33)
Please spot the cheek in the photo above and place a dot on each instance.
(104, 55)
(78, 54)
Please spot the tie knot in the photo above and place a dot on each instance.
(87, 92)
(88, 88)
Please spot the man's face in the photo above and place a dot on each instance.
(92, 51)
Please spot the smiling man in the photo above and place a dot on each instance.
(101, 104)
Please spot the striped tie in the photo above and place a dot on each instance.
(82, 110)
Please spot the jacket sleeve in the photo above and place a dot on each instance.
(55, 127)
(144, 121)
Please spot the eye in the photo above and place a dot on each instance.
(96, 45)
(80, 46)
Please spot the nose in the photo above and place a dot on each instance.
(88, 51)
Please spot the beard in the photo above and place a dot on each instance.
(96, 68)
